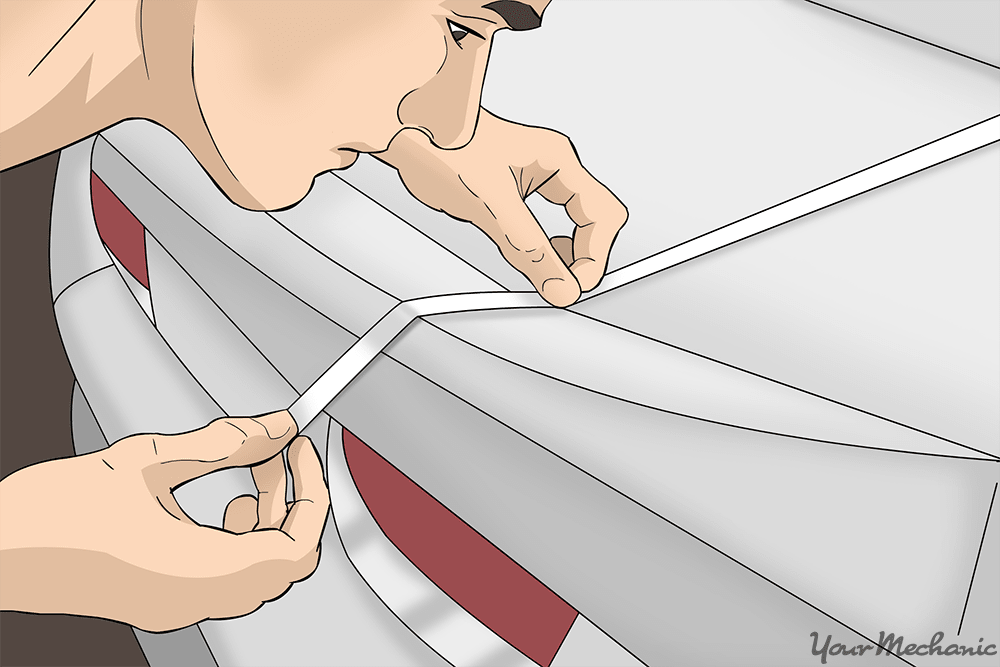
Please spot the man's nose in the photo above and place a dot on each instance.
(446, 107)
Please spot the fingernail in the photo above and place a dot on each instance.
(277, 424)
(588, 273)
(560, 292)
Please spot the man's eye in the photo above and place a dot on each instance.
(458, 32)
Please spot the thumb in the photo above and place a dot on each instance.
(229, 442)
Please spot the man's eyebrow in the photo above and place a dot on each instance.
(518, 15)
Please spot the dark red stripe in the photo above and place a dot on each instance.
(473, 572)
(120, 230)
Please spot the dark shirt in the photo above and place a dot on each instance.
(36, 386)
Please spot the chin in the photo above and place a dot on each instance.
(280, 191)
(274, 198)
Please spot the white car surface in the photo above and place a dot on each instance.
(797, 433)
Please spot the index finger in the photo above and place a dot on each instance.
(225, 443)
(599, 216)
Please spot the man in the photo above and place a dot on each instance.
(266, 95)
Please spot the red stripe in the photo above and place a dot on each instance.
(473, 572)
(120, 230)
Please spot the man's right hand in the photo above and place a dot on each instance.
(102, 535)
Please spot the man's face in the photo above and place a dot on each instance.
(292, 88)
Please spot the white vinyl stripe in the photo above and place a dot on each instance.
(921, 158)
(358, 356)
(376, 339)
